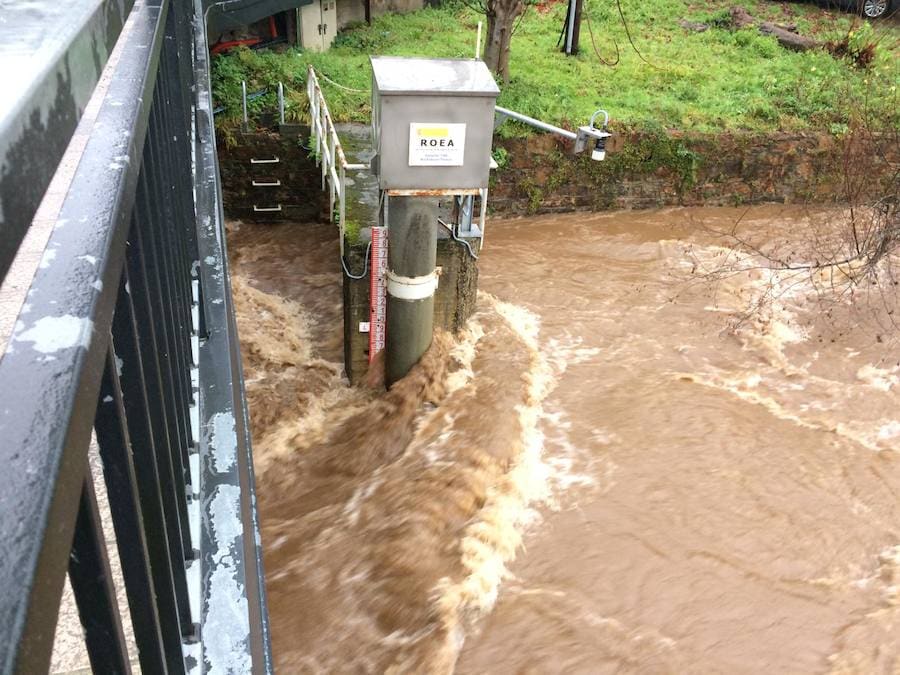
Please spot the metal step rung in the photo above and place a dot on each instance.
(266, 183)
(273, 160)
(265, 209)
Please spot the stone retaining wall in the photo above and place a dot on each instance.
(655, 169)
(538, 174)
(299, 194)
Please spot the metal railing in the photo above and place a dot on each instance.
(128, 336)
(328, 152)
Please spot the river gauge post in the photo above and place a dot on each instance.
(432, 125)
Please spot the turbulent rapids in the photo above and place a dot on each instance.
(615, 467)
(389, 517)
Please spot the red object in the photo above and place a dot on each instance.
(377, 298)
(273, 29)
(223, 46)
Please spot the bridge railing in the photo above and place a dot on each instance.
(127, 336)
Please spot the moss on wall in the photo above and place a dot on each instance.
(652, 167)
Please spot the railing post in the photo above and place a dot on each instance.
(143, 409)
(148, 603)
(157, 472)
(244, 104)
(342, 209)
(321, 141)
(331, 185)
(92, 585)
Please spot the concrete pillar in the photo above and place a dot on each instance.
(411, 282)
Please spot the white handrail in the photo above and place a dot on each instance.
(329, 152)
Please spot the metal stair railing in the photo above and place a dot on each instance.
(328, 152)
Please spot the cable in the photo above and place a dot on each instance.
(340, 86)
(630, 40)
(597, 51)
(565, 28)
(519, 22)
(457, 239)
(369, 248)
(365, 265)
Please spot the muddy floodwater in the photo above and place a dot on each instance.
(623, 464)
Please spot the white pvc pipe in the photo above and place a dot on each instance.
(478, 43)
(571, 27)
(244, 101)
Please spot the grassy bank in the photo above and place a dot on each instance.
(719, 79)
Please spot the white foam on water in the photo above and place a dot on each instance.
(464, 352)
(878, 378)
(548, 468)
(485, 551)
(889, 430)
(772, 310)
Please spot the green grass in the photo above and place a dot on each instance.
(717, 80)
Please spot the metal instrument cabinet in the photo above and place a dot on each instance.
(432, 123)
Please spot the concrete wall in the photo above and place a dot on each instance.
(350, 11)
(354, 11)
(539, 174)
(380, 7)
(454, 301)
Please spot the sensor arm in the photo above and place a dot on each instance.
(503, 113)
(586, 135)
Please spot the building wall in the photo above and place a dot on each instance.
(350, 11)
(354, 11)
(380, 7)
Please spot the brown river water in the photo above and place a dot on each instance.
(616, 467)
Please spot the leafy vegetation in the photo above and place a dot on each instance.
(718, 79)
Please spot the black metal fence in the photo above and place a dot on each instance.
(128, 335)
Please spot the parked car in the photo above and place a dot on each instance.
(875, 9)
(871, 9)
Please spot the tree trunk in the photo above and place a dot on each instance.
(501, 16)
(492, 43)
